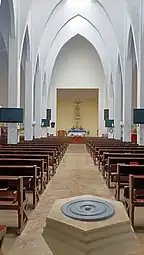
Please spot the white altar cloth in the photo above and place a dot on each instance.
(77, 132)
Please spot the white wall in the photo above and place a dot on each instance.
(3, 79)
(77, 66)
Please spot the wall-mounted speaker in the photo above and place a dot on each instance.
(48, 114)
(106, 114)
(52, 124)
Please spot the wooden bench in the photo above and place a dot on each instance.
(52, 158)
(39, 163)
(134, 195)
(13, 197)
(108, 143)
(55, 150)
(44, 157)
(98, 151)
(106, 155)
(122, 176)
(58, 148)
(111, 166)
(30, 178)
(129, 150)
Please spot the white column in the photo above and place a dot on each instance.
(140, 83)
(28, 119)
(111, 108)
(111, 113)
(101, 112)
(38, 103)
(44, 132)
(13, 86)
(44, 107)
(127, 101)
(117, 106)
(53, 106)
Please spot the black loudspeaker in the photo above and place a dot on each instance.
(48, 114)
(106, 114)
(52, 124)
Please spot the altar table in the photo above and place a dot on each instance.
(77, 132)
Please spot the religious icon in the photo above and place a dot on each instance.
(77, 102)
(77, 111)
(77, 125)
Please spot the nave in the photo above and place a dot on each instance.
(76, 175)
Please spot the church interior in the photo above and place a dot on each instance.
(71, 127)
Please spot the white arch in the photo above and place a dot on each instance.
(35, 86)
(95, 20)
(131, 43)
(56, 8)
(26, 41)
(44, 85)
(44, 96)
(65, 36)
(13, 18)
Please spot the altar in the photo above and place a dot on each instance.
(77, 132)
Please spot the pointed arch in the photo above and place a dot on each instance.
(3, 72)
(44, 85)
(12, 16)
(119, 69)
(34, 86)
(119, 65)
(131, 46)
(26, 46)
(111, 86)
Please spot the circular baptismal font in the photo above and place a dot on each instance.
(88, 209)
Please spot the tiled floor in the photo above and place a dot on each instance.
(76, 175)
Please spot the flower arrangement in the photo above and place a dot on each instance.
(62, 132)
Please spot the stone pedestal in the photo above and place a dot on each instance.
(79, 226)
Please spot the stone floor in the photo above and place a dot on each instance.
(76, 175)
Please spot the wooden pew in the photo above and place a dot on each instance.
(56, 148)
(30, 178)
(122, 176)
(39, 163)
(112, 162)
(129, 150)
(112, 166)
(106, 142)
(52, 160)
(106, 155)
(14, 198)
(134, 195)
(44, 157)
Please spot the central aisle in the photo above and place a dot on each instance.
(76, 175)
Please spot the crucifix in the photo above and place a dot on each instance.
(77, 115)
